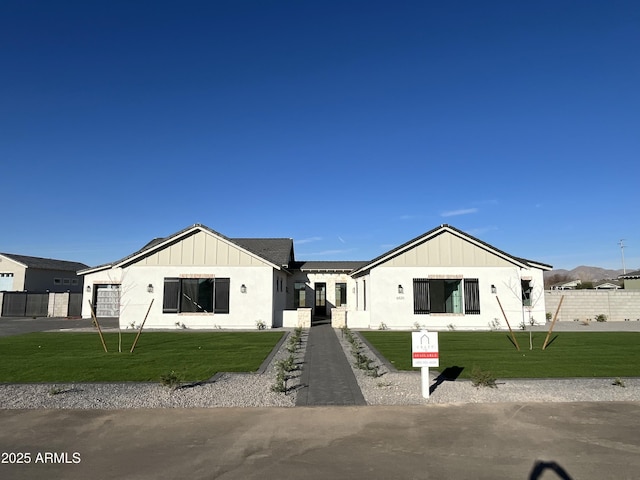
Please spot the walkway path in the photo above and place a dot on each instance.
(327, 378)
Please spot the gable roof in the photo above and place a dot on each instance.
(607, 284)
(522, 262)
(276, 251)
(630, 275)
(45, 263)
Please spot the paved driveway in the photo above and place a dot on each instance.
(482, 441)
(19, 325)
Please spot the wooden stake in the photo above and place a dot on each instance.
(141, 326)
(95, 319)
(555, 317)
(513, 337)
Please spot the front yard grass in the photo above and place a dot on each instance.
(79, 357)
(570, 354)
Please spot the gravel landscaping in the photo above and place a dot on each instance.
(254, 390)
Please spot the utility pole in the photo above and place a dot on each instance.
(621, 243)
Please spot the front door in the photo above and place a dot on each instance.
(321, 299)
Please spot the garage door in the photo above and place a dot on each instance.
(107, 300)
(6, 282)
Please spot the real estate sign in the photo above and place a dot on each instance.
(424, 349)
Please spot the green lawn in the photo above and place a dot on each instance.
(79, 357)
(570, 354)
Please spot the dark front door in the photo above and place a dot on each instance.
(321, 299)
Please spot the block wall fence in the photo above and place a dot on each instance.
(617, 305)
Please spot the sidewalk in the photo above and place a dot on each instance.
(327, 378)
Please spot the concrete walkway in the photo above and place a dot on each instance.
(327, 378)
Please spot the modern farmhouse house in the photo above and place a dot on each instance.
(198, 278)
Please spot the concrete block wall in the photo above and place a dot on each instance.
(617, 305)
(58, 304)
(338, 317)
(297, 318)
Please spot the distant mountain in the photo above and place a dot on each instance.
(585, 274)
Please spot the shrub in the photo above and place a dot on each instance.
(601, 317)
(618, 382)
(171, 380)
(288, 364)
(482, 378)
(281, 382)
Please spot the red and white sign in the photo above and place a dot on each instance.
(424, 348)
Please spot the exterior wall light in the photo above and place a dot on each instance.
(400, 289)
(88, 288)
(494, 290)
(243, 288)
(150, 288)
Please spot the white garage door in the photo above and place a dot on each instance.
(107, 300)
(6, 282)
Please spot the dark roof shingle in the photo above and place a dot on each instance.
(45, 263)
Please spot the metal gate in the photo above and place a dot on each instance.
(75, 305)
(25, 304)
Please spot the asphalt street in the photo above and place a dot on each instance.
(19, 325)
(481, 441)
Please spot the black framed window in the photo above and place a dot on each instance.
(341, 294)
(206, 295)
(299, 295)
(446, 296)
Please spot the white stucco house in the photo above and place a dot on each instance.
(198, 278)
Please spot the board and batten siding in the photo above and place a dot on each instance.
(447, 250)
(201, 249)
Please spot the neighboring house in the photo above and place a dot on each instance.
(198, 278)
(570, 285)
(35, 274)
(631, 280)
(607, 285)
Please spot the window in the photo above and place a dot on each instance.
(207, 295)
(57, 281)
(299, 295)
(341, 294)
(446, 296)
(364, 294)
(526, 292)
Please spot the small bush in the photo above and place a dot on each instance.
(482, 378)
(281, 382)
(56, 391)
(618, 382)
(601, 317)
(288, 364)
(170, 380)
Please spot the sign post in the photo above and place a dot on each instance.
(425, 353)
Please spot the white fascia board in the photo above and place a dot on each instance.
(100, 268)
(15, 261)
(541, 266)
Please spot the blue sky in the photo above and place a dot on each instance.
(349, 126)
